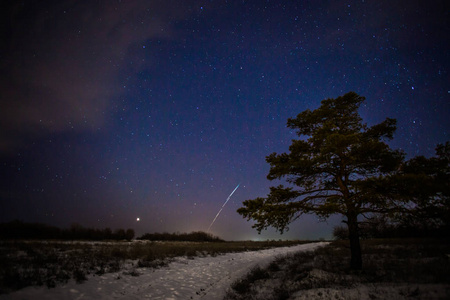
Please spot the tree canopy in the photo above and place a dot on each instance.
(426, 183)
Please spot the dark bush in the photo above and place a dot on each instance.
(79, 276)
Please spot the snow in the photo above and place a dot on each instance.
(199, 278)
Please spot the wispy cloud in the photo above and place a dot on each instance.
(60, 64)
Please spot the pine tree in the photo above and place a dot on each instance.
(327, 170)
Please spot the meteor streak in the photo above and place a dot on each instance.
(223, 207)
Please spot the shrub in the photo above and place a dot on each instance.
(242, 286)
(79, 276)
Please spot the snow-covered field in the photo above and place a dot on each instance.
(184, 278)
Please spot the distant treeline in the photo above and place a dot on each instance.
(198, 236)
(21, 230)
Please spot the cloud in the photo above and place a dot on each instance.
(62, 59)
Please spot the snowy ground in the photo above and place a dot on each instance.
(199, 278)
(377, 291)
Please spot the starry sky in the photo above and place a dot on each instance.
(116, 110)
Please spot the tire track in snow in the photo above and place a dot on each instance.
(244, 262)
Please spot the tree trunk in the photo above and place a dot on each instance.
(355, 247)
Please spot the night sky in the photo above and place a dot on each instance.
(114, 110)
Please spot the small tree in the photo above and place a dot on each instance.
(327, 169)
(129, 234)
(119, 234)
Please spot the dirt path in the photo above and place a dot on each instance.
(200, 278)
